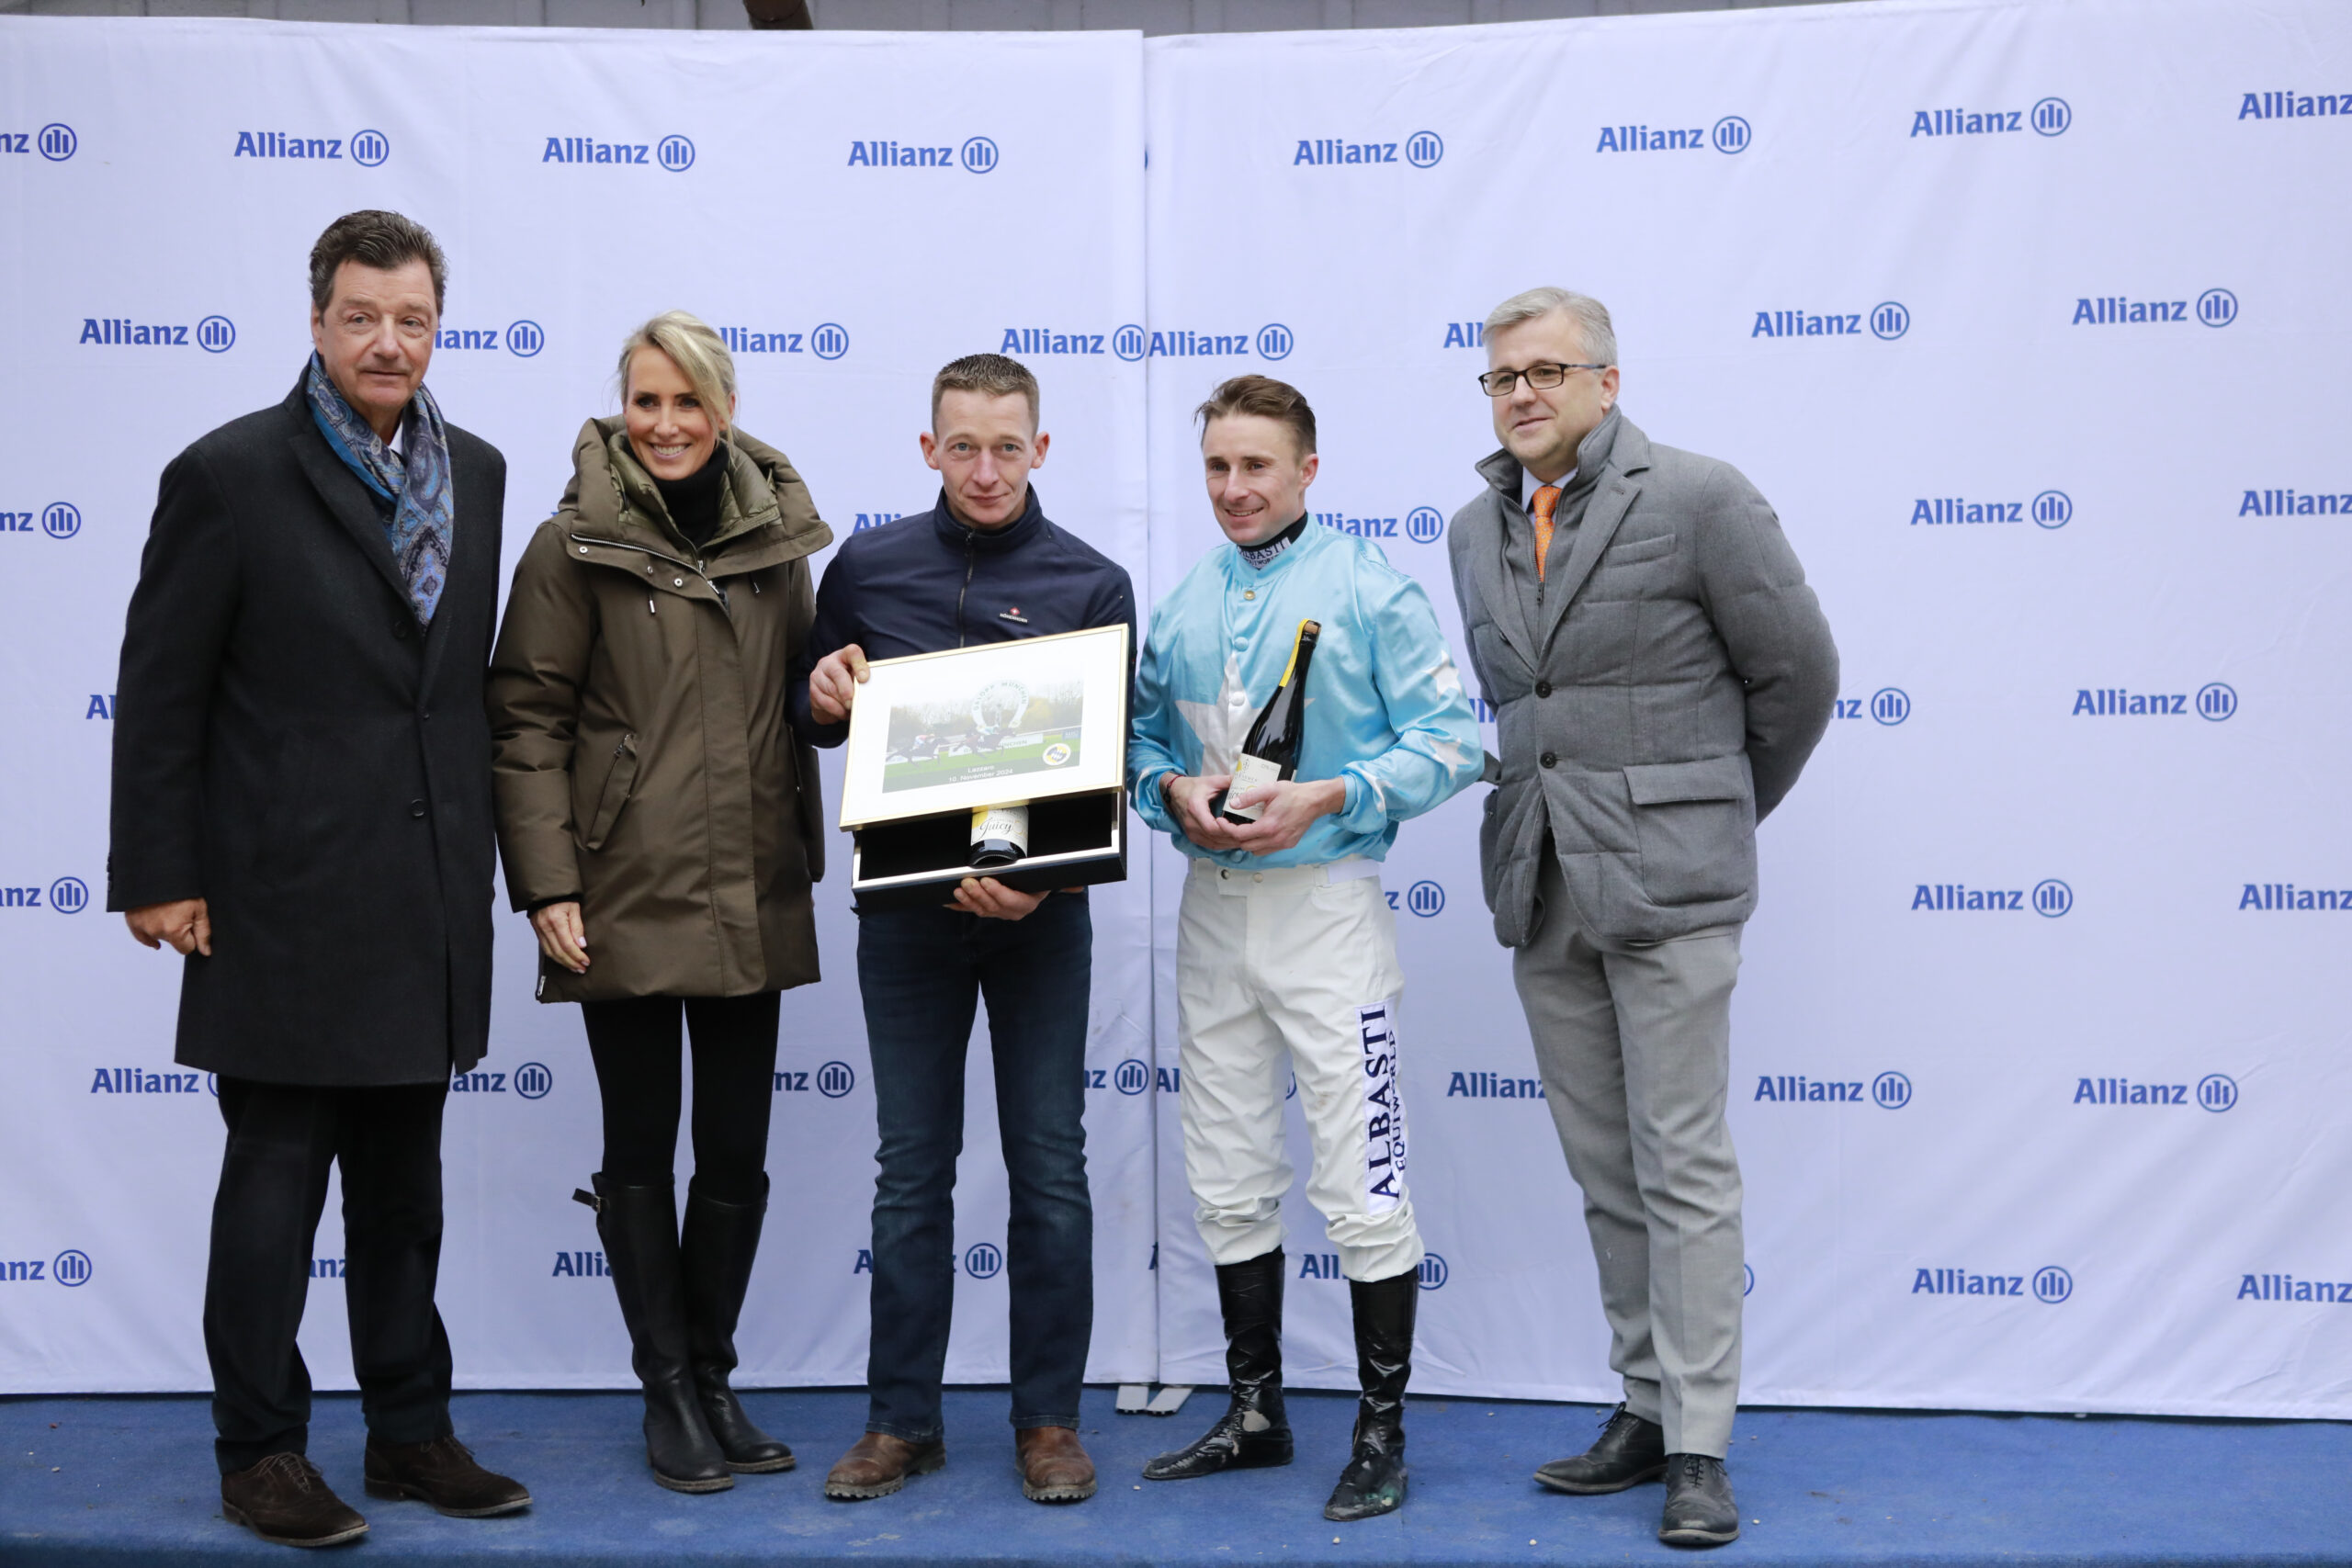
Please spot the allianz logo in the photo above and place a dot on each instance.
(2281, 897)
(2286, 1288)
(832, 1080)
(214, 334)
(2215, 1092)
(580, 1266)
(71, 1268)
(1431, 1275)
(2049, 898)
(977, 155)
(2050, 509)
(1133, 1076)
(67, 896)
(1422, 524)
(1888, 706)
(2291, 504)
(2050, 1284)
(53, 141)
(2214, 308)
(1044, 340)
(2294, 105)
(59, 520)
(2049, 117)
(1889, 1092)
(1887, 321)
(327, 1267)
(1422, 149)
(522, 339)
(1493, 1086)
(981, 1261)
(826, 340)
(874, 520)
(135, 1080)
(364, 147)
(1273, 341)
(1730, 134)
(2214, 701)
(675, 154)
(530, 1081)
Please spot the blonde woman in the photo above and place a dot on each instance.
(659, 819)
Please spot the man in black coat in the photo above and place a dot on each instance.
(301, 809)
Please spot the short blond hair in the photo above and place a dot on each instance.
(697, 352)
(991, 376)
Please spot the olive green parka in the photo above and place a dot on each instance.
(644, 761)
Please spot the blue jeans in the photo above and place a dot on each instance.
(922, 973)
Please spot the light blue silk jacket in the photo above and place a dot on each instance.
(1385, 705)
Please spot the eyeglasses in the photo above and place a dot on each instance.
(1543, 377)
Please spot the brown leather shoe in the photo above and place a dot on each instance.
(285, 1500)
(444, 1474)
(878, 1464)
(1054, 1466)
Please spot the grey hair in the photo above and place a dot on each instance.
(698, 354)
(1589, 314)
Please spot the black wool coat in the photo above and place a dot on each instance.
(290, 746)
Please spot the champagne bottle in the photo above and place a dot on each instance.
(1000, 835)
(1270, 752)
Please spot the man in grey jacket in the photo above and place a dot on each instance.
(1660, 673)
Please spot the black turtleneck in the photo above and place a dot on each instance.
(694, 501)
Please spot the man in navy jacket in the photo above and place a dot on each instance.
(983, 565)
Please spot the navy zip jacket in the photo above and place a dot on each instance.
(927, 582)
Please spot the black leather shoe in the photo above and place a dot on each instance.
(286, 1501)
(640, 1228)
(444, 1474)
(716, 1254)
(1254, 1432)
(1699, 1506)
(1373, 1481)
(1629, 1451)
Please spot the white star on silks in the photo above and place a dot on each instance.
(1221, 725)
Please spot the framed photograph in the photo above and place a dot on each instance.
(1030, 720)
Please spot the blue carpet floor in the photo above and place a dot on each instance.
(130, 1481)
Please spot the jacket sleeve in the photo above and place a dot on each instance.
(536, 674)
(1436, 754)
(1153, 746)
(833, 626)
(181, 617)
(1772, 626)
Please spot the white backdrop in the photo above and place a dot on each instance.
(2084, 1150)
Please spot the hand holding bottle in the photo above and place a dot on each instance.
(1291, 808)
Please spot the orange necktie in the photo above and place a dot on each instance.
(1546, 498)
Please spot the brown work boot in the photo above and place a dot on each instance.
(444, 1474)
(878, 1464)
(285, 1500)
(1054, 1466)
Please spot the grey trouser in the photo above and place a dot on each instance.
(1633, 1041)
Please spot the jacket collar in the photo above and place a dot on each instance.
(614, 498)
(1242, 574)
(1600, 449)
(339, 487)
(1614, 452)
(960, 536)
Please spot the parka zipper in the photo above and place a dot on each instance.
(725, 608)
(971, 560)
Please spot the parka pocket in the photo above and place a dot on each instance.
(620, 779)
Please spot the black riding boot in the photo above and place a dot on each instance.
(640, 1228)
(1253, 1431)
(1373, 1481)
(721, 1240)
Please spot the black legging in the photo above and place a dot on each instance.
(635, 1043)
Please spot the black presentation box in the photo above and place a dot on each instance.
(1075, 841)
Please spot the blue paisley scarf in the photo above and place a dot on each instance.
(423, 517)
